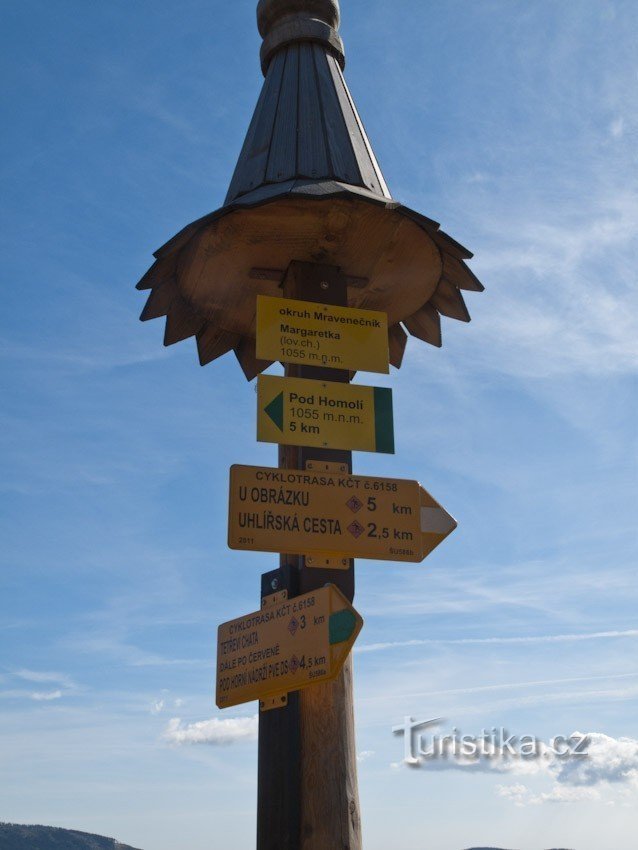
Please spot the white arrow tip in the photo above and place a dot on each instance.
(437, 521)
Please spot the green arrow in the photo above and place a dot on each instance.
(276, 411)
(342, 624)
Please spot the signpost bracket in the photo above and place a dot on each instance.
(271, 703)
(326, 466)
(274, 598)
(319, 562)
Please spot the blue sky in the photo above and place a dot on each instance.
(515, 125)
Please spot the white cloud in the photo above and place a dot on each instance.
(617, 128)
(612, 760)
(521, 795)
(605, 761)
(214, 732)
(157, 706)
(496, 760)
(364, 755)
(611, 765)
(46, 696)
(64, 682)
(516, 793)
(566, 794)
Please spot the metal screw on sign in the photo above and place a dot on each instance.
(324, 284)
(274, 583)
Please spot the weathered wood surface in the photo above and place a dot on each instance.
(330, 813)
(306, 126)
(397, 340)
(425, 324)
(394, 264)
(213, 342)
(449, 302)
(279, 750)
(398, 259)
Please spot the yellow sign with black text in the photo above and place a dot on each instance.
(328, 415)
(333, 514)
(288, 645)
(313, 334)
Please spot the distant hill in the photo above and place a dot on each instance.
(15, 836)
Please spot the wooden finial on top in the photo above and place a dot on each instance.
(283, 22)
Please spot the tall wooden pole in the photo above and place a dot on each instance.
(308, 797)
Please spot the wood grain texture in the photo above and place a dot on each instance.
(282, 158)
(213, 342)
(397, 339)
(253, 159)
(369, 171)
(330, 816)
(160, 300)
(343, 160)
(279, 749)
(460, 275)
(306, 125)
(449, 302)
(398, 258)
(451, 246)
(181, 322)
(159, 273)
(312, 153)
(425, 324)
(248, 360)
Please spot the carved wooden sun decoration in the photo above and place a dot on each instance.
(307, 187)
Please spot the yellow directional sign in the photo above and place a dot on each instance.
(332, 513)
(301, 412)
(321, 335)
(288, 645)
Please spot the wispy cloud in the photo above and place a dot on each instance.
(43, 677)
(36, 696)
(66, 685)
(46, 696)
(520, 795)
(528, 639)
(515, 686)
(560, 290)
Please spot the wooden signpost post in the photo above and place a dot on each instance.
(310, 262)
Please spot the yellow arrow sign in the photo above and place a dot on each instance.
(288, 645)
(332, 513)
(301, 412)
(321, 335)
